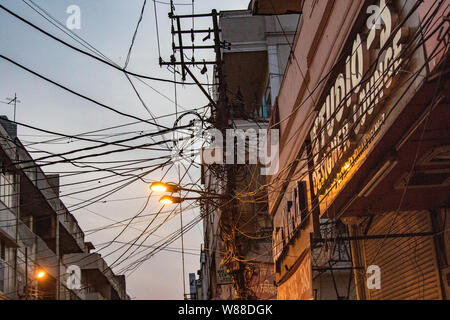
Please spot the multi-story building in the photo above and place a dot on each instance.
(252, 73)
(42, 245)
(361, 201)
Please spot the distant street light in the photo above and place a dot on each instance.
(41, 274)
(165, 200)
(161, 187)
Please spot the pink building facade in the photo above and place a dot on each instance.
(360, 203)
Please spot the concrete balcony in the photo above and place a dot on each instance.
(48, 194)
(36, 185)
(94, 296)
(44, 257)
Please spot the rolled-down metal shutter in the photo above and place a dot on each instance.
(408, 265)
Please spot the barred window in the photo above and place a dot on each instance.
(7, 189)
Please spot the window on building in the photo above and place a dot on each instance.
(7, 189)
(266, 106)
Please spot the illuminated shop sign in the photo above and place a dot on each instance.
(353, 106)
(294, 217)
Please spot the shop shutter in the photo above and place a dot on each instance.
(408, 265)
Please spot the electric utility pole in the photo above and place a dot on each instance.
(221, 116)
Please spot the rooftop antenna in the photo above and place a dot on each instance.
(15, 101)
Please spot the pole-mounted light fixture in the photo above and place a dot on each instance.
(166, 200)
(41, 274)
(161, 187)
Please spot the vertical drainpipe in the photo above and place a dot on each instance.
(26, 272)
(357, 261)
(58, 258)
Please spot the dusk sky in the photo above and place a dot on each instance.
(108, 25)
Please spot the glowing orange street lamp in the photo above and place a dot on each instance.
(161, 187)
(41, 274)
(166, 200)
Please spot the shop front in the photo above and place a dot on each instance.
(375, 159)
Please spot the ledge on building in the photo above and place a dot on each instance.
(271, 7)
